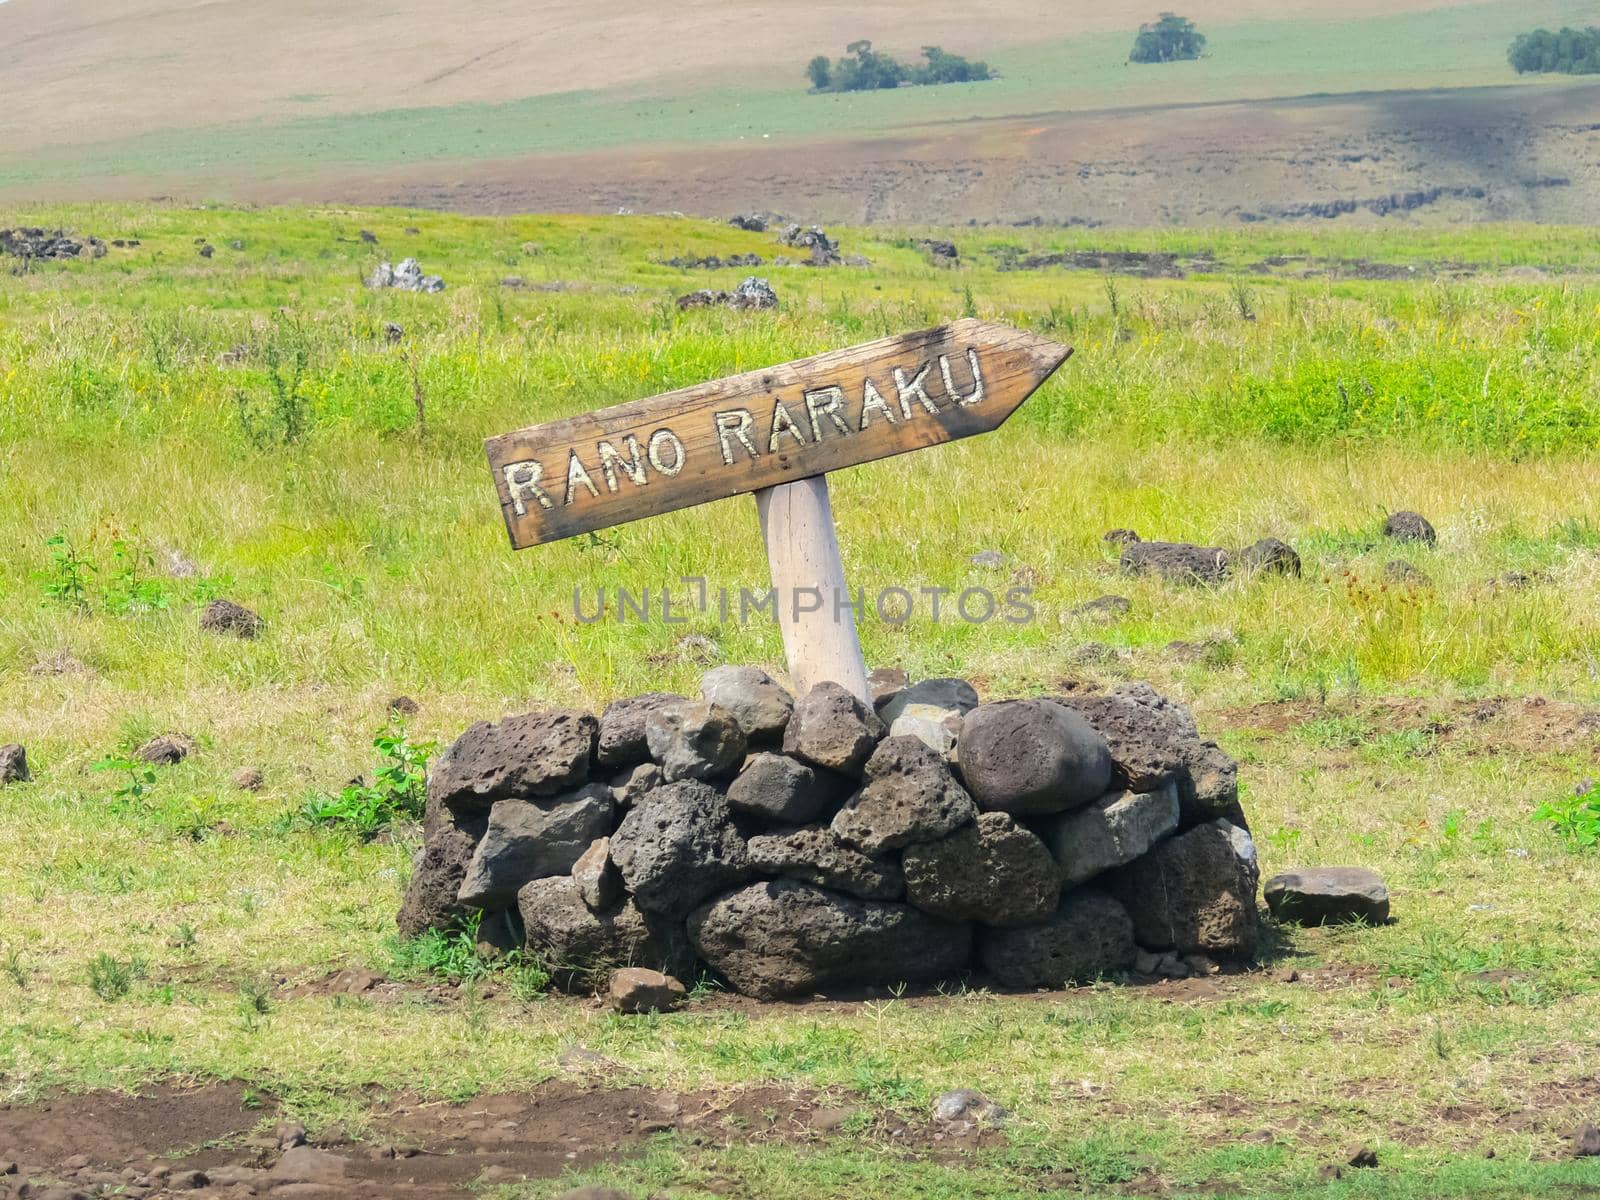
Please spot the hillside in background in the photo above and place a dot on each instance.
(1361, 111)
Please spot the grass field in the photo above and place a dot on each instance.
(247, 417)
(752, 95)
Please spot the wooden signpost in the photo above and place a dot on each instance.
(775, 432)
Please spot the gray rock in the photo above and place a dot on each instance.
(779, 788)
(629, 786)
(1111, 832)
(753, 292)
(1121, 537)
(1400, 571)
(990, 560)
(1409, 527)
(758, 702)
(1195, 893)
(1104, 608)
(1176, 562)
(1328, 896)
(1154, 740)
(694, 740)
(1269, 556)
(636, 990)
(234, 620)
(1089, 934)
(677, 846)
(964, 1107)
(582, 946)
(931, 710)
(536, 754)
(407, 277)
(13, 764)
(910, 796)
(530, 839)
(993, 871)
(832, 729)
(622, 742)
(1032, 756)
(599, 882)
(783, 938)
(817, 855)
(448, 842)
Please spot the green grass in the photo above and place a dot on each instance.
(139, 917)
(1462, 46)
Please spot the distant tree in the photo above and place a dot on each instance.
(865, 69)
(1569, 52)
(1168, 39)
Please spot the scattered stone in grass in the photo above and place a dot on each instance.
(1121, 537)
(1269, 556)
(233, 620)
(636, 990)
(1409, 527)
(989, 560)
(749, 222)
(207, 250)
(753, 293)
(1328, 896)
(236, 244)
(166, 749)
(1586, 1142)
(1364, 1158)
(1260, 1137)
(14, 764)
(249, 779)
(405, 706)
(1176, 562)
(1329, 1172)
(392, 333)
(963, 1106)
(1105, 608)
(367, 236)
(1286, 975)
(824, 251)
(407, 277)
(1402, 572)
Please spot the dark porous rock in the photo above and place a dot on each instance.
(939, 250)
(13, 764)
(1269, 556)
(599, 882)
(780, 788)
(1176, 562)
(448, 842)
(760, 704)
(1409, 527)
(636, 990)
(1195, 893)
(931, 710)
(679, 845)
(993, 871)
(910, 796)
(249, 779)
(1328, 896)
(815, 854)
(530, 839)
(536, 754)
(750, 222)
(404, 706)
(1121, 537)
(234, 620)
(1088, 934)
(1586, 1142)
(622, 741)
(1111, 832)
(694, 740)
(887, 683)
(1153, 740)
(584, 946)
(1104, 608)
(832, 729)
(1401, 572)
(165, 750)
(784, 938)
(1032, 756)
(629, 786)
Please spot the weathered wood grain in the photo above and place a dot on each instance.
(764, 428)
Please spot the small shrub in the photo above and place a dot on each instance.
(1171, 38)
(141, 777)
(398, 791)
(67, 581)
(1574, 819)
(112, 978)
(865, 70)
(282, 415)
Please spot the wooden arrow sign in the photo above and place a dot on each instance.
(764, 428)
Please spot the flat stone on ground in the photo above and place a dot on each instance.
(1328, 896)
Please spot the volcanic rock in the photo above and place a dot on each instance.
(757, 701)
(640, 990)
(536, 754)
(1409, 527)
(931, 710)
(13, 764)
(584, 944)
(1195, 893)
(831, 729)
(1176, 562)
(694, 740)
(1269, 556)
(530, 839)
(993, 871)
(910, 796)
(1031, 756)
(622, 739)
(234, 620)
(1111, 832)
(780, 788)
(815, 854)
(1088, 934)
(1328, 896)
(677, 846)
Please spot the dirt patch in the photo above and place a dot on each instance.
(103, 1142)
